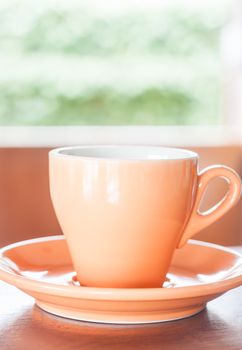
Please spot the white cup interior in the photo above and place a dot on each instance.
(125, 152)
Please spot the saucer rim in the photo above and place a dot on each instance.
(116, 294)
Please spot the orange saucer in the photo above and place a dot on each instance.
(42, 268)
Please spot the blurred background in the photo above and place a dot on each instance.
(86, 71)
(111, 62)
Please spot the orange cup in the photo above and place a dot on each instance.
(125, 209)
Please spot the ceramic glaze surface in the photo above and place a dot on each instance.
(124, 210)
(42, 267)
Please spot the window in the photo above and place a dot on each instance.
(111, 62)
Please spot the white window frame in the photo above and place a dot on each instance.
(231, 51)
(53, 136)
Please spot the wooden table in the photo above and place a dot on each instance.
(23, 326)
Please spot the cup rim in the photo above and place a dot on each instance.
(166, 153)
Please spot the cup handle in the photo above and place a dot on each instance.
(199, 220)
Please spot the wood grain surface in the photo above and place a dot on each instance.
(23, 326)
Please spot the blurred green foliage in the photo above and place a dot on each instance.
(88, 62)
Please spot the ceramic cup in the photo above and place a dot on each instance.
(125, 209)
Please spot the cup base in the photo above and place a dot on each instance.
(167, 283)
